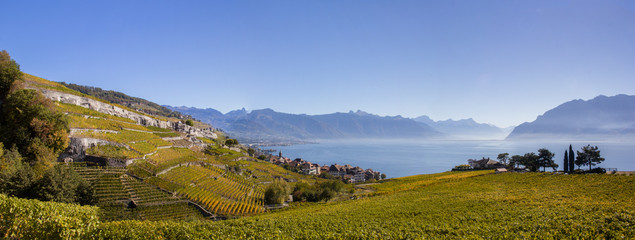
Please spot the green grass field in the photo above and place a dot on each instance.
(470, 205)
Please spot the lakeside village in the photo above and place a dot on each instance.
(346, 173)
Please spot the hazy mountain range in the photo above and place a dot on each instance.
(601, 116)
(267, 125)
(466, 128)
(596, 118)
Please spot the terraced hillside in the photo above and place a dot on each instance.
(451, 205)
(120, 197)
(146, 167)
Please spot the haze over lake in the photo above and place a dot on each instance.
(398, 158)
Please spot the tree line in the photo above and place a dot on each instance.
(278, 191)
(125, 100)
(32, 135)
(589, 156)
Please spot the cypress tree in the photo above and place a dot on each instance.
(571, 159)
(566, 161)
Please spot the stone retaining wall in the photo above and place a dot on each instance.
(120, 112)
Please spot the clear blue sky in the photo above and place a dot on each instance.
(501, 62)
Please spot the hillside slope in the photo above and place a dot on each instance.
(601, 116)
(452, 205)
(138, 104)
(149, 167)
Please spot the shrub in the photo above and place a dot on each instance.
(63, 184)
(462, 167)
(334, 185)
(16, 176)
(319, 192)
(231, 142)
(597, 170)
(277, 192)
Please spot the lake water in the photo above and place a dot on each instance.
(398, 158)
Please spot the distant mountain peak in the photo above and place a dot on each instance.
(601, 115)
(424, 119)
(359, 113)
(465, 128)
(237, 113)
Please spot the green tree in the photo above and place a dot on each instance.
(277, 192)
(383, 176)
(29, 122)
(571, 159)
(189, 122)
(545, 159)
(515, 161)
(333, 184)
(59, 183)
(503, 158)
(16, 177)
(327, 194)
(326, 175)
(590, 156)
(318, 192)
(305, 192)
(251, 152)
(530, 161)
(62, 184)
(9, 73)
(566, 161)
(231, 142)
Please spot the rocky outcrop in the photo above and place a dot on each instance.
(79, 130)
(76, 152)
(120, 112)
(77, 147)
